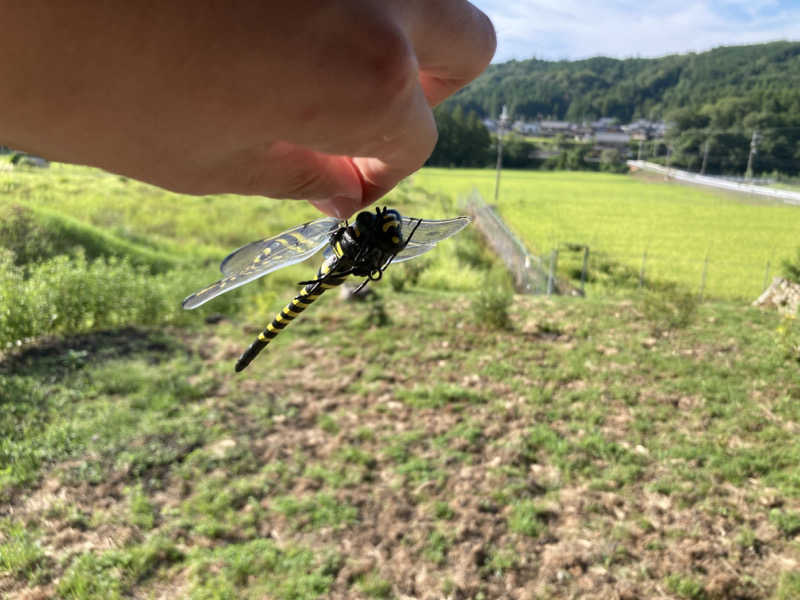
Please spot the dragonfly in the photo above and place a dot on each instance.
(363, 248)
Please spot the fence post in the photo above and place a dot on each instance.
(766, 278)
(641, 271)
(585, 267)
(703, 280)
(551, 276)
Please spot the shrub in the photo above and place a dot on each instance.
(791, 268)
(490, 307)
(669, 307)
(68, 294)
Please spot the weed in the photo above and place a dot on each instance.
(788, 586)
(21, 556)
(787, 522)
(500, 561)
(438, 396)
(373, 586)
(258, 569)
(669, 307)
(143, 513)
(313, 512)
(526, 518)
(436, 547)
(113, 574)
(443, 510)
(490, 307)
(791, 268)
(686, 587)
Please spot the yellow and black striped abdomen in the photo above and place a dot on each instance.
(288, 313)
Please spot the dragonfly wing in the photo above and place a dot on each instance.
(429, 232)
(287, 248)
(256, 259)
(410, 252)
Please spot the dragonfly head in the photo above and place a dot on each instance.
(382, 228)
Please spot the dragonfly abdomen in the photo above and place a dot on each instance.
(288, 313)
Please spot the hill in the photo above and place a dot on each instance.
(638, 87)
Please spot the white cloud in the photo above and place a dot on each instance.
(577, 29)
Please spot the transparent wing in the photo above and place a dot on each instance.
(410, 252)
(287, 248)
(427, 234)
(256, 259)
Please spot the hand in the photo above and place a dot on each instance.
(322, 100)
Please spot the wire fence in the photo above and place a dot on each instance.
(530, 274)
(574, 267)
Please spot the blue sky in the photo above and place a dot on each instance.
(555, 29)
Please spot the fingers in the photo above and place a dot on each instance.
(453, 42)
(284, 170)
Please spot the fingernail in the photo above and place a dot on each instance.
(340, 207)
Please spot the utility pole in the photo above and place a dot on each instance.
(669, 160)
(705, 158)
(501, 126)
(748, 174)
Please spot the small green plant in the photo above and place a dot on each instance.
(436, 547)
(787, 522)
(500, 561)
(669, 307)
(376, 314)
(791, 268)
(21, 556)
(23, 236)
(686, 587)
(143, 513)
(442, 510)
(788, 586)
(406, 273)
(526, 519)
(788, 337)
(373, 586)
(490, 306)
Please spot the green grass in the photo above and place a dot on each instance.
(647, 440)
(621, 217)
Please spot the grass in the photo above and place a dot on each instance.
(643, 446)
(622, 217)
(646, 442)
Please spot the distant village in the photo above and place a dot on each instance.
(605, 133)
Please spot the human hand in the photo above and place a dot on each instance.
(321, 100)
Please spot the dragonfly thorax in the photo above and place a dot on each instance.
(370, 241)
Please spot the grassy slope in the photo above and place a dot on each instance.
(579, 451)
(591, 447)
(621, 217)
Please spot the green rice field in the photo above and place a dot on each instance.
(676, 230)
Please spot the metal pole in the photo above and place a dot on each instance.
(705, 159)
(501, 125)
(748, 174)
(641, 271)
(585, 267)
(703, 280)
(551, 276)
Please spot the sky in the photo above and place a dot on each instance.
(572, 29)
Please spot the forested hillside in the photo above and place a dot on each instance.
(767, 74)
(729, 109)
